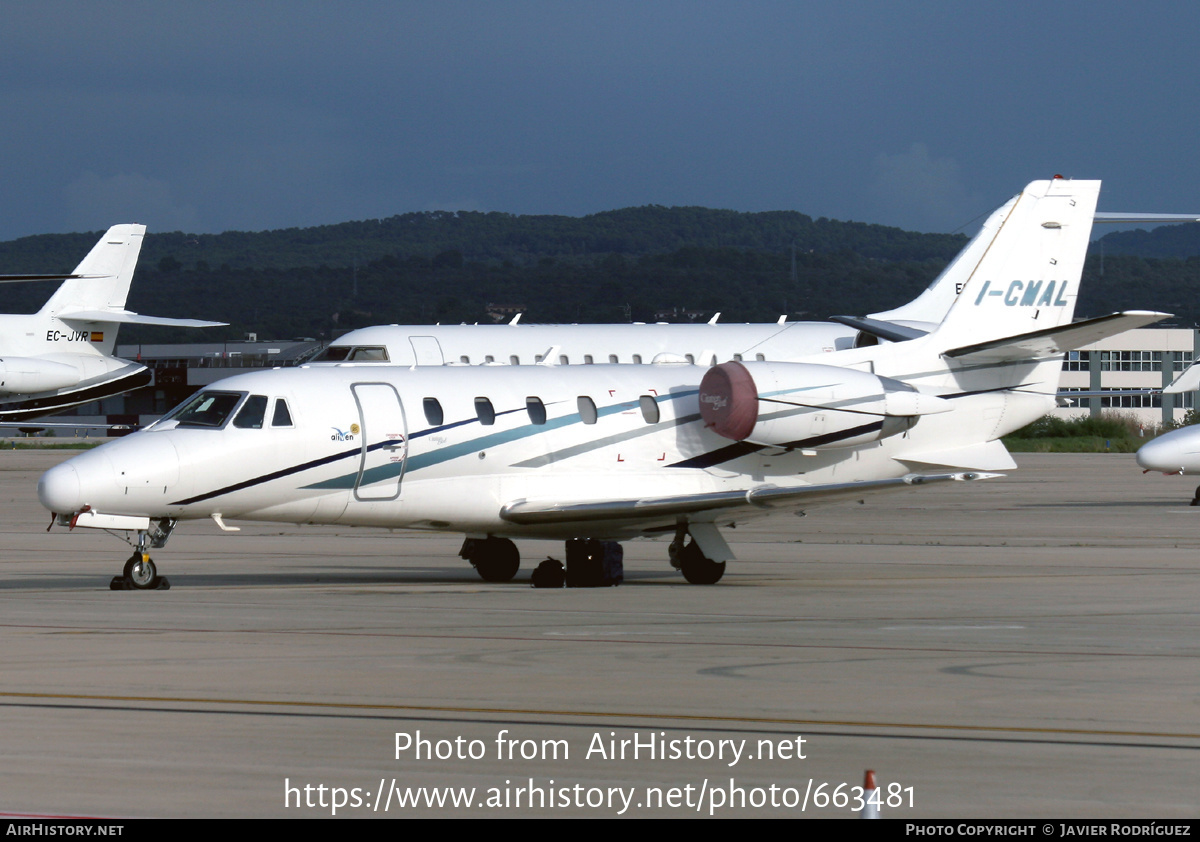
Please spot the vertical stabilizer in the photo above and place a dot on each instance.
(107, 271)
(1028, 278)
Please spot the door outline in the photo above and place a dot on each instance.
(386, 410)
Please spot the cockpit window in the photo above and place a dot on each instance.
(333, 354)
(207, 409)
(353, 354)
(252, 413)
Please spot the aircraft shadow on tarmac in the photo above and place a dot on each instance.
(369, 577)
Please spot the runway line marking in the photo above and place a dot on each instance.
(764, 720)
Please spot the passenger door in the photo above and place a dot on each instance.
(384, 433)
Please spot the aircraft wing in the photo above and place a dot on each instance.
(128, 318)
(1056, 340)
(531, 512)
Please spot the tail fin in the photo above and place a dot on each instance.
(1028, 278)
(106, 273)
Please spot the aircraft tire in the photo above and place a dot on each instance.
(141, 575)
(496, 559)
(698, 568)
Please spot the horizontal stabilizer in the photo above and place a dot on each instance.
(884, 330)
(20, 279)
(1147, 218)
(530, 512)
(127, 318)
(1189, 381)
(985, 456)
(1056, 340)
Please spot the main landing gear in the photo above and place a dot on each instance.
(691, 561)
(494, 559)
(498, 560)
(140, 573)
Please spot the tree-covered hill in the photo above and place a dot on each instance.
(643, 264)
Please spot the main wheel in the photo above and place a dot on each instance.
(140, 572)
(698, 568)
(496, 559)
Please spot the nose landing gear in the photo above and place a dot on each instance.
(140, 573)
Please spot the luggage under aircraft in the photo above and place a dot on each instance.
(613, 452)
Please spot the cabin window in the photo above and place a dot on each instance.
(612, 358)
(433, 412)
(587, 359)
(536, 410)
(637, 359)
(587, 409)
(514, 360)
(562, 360)
(649, 408)
(760, 357)
(485, 412)
(282, 417)
(489, 359)
(691, 358)
(207, 409)
(252, 414)
(465, 359)
(737, 357)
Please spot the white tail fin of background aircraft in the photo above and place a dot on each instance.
(61, 356)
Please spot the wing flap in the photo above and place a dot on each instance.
(532, 512)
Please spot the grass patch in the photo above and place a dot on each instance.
(1110, 432)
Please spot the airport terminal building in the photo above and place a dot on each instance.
(1145, 359)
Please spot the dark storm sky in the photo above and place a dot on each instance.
(253, 115)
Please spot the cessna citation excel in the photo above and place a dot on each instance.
(61, 356)
(613, 452)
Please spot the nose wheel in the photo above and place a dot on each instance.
(139, 574)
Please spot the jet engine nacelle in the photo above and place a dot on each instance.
(29, 375)
(807, 405)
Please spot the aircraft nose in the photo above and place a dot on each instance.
(59, 489)
(1165, 453)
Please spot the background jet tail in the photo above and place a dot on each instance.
(105, 274)
(1027, 279)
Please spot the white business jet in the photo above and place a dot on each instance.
(705, 344)
(1176, 452)
(613, 452)
(61, 356)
